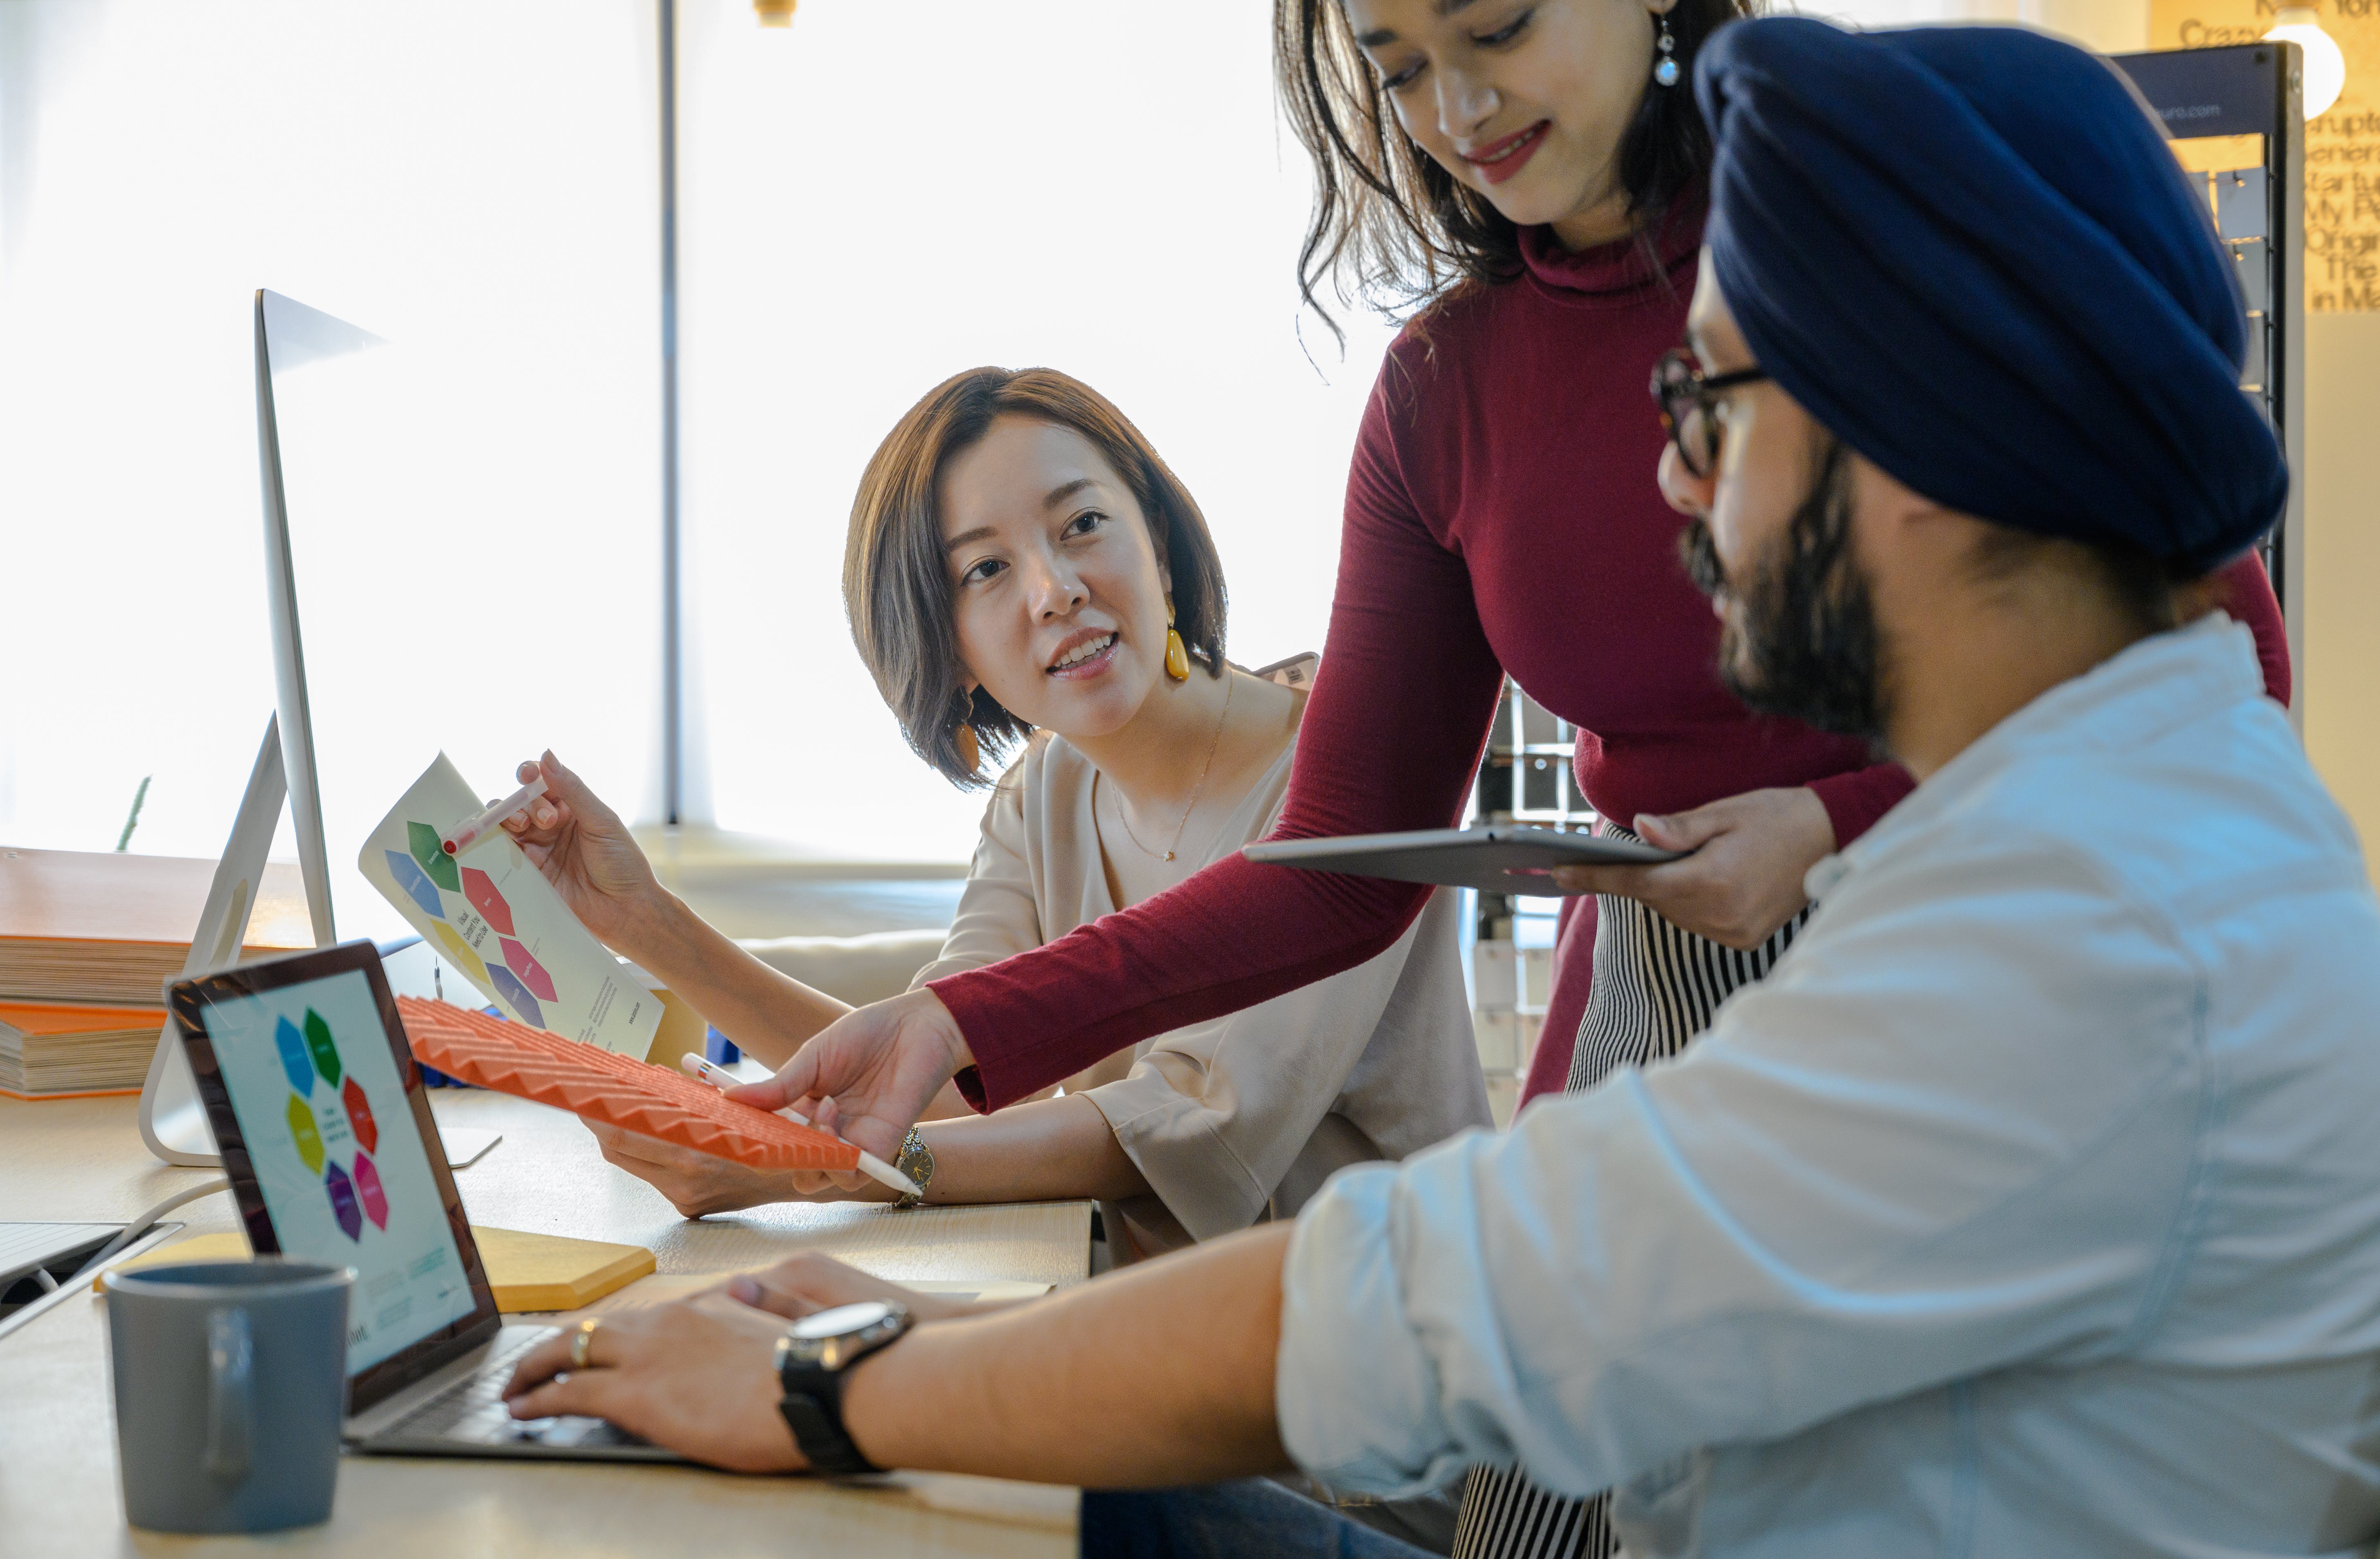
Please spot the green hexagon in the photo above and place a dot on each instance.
(422, 840)
(318, 1041)
(301, 1131)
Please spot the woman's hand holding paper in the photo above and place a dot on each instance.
(588, 854)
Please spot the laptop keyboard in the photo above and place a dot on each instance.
(472, 1411)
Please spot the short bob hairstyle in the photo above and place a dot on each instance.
(896, 584)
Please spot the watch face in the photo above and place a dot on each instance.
(842, 1320)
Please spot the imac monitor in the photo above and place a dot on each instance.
(289, 335)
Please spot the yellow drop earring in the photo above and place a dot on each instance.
(962, 734)
(1177, 654)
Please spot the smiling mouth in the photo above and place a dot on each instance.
(1084, 655)
(1502, 159)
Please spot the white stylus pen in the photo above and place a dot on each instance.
(468, 831)
(722, 1078)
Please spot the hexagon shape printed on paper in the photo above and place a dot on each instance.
(533, 973)
(286, 1040)
(360, 1115)
(418, 888)
(480, 889)
(460, 952)
(342, 1202)
(368, 1186)
(515, 996)
(302, 1133)
(326, 1051)
(422, 840)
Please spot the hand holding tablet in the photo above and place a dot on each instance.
(1735, 871)
(1500, 858)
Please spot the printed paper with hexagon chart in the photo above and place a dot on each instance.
(496, 922)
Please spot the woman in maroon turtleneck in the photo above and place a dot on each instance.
(1519, 170)
(1527, 173)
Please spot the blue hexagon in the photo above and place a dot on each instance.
(515, 996)
(291, 1046)
(418, 886)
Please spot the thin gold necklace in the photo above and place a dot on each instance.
(1123, 814)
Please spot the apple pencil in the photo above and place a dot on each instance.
(721, 1078)
(467, 832)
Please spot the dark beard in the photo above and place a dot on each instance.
(1801, 641)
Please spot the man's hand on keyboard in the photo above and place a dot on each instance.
(697, 1377)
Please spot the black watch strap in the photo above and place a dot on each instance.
(817, 1429)
(810, 1371)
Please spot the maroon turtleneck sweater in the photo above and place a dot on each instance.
(1502, 517)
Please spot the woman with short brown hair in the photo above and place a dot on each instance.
(1024, 571)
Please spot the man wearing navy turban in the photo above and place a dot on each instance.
(2032, 1205)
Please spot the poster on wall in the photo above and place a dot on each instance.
(2342, 148)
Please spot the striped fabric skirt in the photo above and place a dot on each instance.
(1654, 988)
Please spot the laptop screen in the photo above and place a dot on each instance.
(329, 1139)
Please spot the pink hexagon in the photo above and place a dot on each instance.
(533, 973)
(368, 1186)
(480, 889)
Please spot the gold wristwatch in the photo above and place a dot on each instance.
(916, 1162)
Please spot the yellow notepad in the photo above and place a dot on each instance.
(528, 1272)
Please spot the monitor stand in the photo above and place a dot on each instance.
(173, 1121)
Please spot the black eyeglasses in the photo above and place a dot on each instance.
(1689, 400)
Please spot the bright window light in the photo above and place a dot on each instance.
(472, 182)
(885, 195)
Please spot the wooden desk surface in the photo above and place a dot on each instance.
(83, 1160)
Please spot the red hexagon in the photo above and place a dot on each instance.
(480, 889)
(359, 1117)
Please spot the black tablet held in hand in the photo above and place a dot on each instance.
(1501, 859)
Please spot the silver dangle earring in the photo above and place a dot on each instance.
(1665, 70)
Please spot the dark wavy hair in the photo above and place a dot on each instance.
(896, 579)
(1393, 222)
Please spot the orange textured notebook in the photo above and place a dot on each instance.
(590, 1082)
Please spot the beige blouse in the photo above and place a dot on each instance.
(1242, 1118)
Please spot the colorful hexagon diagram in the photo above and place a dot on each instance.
(418, 888)
(318, 1041)
(480, 889)
(533, 973)
(368, 1186)
(515, 996)
(293, 1057)
(460, 950)
(359, 1117)
(302, 1133)
(343, 1201)
(422, 840)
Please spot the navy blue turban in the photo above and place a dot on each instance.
(1969, 253)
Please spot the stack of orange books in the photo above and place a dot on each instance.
(87, 944)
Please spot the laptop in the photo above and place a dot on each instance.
(334, 1157)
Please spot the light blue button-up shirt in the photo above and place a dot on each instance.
(2030, 1207)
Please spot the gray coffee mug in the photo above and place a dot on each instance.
(231, 1381)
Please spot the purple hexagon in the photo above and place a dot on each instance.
(343, 1201)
